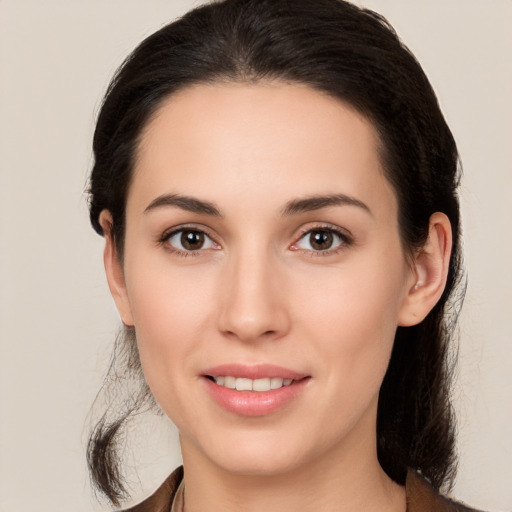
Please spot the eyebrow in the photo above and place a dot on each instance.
(187, 203)
(294, 207)
(312, 203)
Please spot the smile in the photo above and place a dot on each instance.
(258, 385)
(254, 394)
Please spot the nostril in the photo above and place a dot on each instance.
(249, 322)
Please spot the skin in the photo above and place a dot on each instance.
(260, 292)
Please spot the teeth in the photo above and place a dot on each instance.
(230, 382)
(276, 383)
(243, 384)
(261, 385)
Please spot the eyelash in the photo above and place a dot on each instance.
(167, 235)
(345, 241)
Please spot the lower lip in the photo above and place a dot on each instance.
(255, 403)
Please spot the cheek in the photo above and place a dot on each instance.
(351, 315)
(170, 308)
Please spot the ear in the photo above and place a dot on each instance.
(114, 270)
(429, 272)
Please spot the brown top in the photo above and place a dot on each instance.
(421, 497)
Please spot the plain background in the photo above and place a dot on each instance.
(57, 320)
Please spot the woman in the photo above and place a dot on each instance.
(277, 190)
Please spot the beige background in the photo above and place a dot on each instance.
(57, 320)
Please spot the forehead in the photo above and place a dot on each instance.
(250, 139)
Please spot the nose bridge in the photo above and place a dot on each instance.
(252, 305)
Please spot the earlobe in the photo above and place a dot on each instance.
(430, 271)
(114, 270)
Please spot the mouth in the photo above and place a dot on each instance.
(254, 390)
(244, 384)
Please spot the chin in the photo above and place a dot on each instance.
(247, 464)
(258, 454)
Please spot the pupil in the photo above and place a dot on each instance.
(321, 240)
(192, 240)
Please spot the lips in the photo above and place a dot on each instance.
(253, 372)
(254, 390)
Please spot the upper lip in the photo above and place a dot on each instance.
(257, 371)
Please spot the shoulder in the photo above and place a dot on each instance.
(161, 499)
(422, 497)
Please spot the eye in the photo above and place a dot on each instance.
(322, 240)
(189, 240)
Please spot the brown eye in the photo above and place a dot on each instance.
(321, 240)
(192, 240)
(189, 240)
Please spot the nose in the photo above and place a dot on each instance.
(253, 300)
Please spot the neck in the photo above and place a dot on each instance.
(345, 479)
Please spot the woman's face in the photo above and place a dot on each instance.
(262, 245)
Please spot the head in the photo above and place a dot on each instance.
(320, 54)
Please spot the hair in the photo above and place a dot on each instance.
(353, 55)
